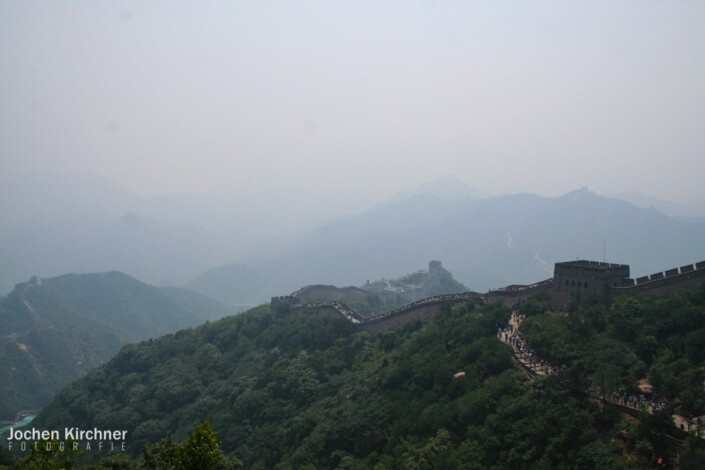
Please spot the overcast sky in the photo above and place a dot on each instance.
(375, 97)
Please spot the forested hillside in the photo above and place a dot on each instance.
(54, 330)
(305, 391)
(661, 340)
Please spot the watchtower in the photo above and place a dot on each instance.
(434, 266)
(590, 278)
(283, 305)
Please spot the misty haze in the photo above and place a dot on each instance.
(322, 197)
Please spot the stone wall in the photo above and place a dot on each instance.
(423, 313)
(511, 295)
(689, 278)
(586, 278)
(589, 278)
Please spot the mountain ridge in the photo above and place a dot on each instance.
(54, 330)
(486, 243)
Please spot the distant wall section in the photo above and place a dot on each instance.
(587, 278)
(511, 295)
(422, 313)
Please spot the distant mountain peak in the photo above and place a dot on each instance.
(694, 209)
(583, 190)
(448, 187)
(581, 195)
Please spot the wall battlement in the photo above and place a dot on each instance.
(670, 281)
(589, 278)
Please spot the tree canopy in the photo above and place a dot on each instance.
(307, 391)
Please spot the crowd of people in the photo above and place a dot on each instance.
(346, 311)
(353, 316)
(638, 401)
(511, 335)
(526, 355)
(521, 288)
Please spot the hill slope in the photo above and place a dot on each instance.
(310, 391)
(54, 330)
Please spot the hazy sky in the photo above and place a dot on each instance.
(377, 97)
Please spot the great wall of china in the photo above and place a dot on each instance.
(526, 359)
(586, 278)
(421, 309)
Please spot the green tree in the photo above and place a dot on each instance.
(50, 455)
(117, 462)
(200, 450)
(6, 457)
(433, 454)
(162, 455)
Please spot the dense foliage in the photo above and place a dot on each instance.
(307, 391)
(615, 345)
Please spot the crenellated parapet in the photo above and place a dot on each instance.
(587, 278)
(289, 303)
(283, 304)
(673, 280)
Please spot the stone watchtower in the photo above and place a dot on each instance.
(589, 278)
(434, 267)
(283, 305)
